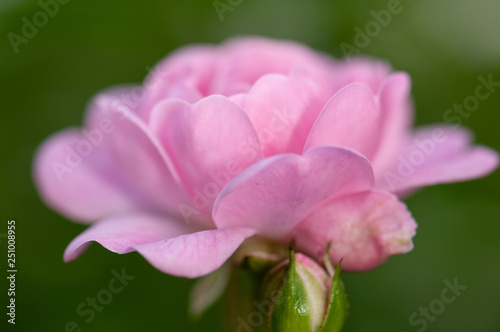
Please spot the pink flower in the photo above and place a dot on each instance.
(252, 138)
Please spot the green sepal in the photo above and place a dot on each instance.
(337, 305)
(291, 311)
(258, 264)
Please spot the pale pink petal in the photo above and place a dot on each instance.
(437, 154)
(209, 142)
(122, 233)
(283, 110)
(76, 177)
(239, 99)
(364, 230)
(351, 118)
(260, 56)
(185, 74)
(397, 117)
(276, 193)
(98, 108)
(361, 70)
(142, 160)
(194, 255)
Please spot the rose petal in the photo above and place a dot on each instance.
(397, 117)
(351, 118)
(194, 255)
(260, 56)
(209, 142)
(438, 154)
(359, 69)
(142, 160)
(276, 193)
(98, 109)
(283, 110)
(184, 74)
(364, 229)
(121, 233)
(78, 178)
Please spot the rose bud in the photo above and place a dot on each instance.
(304, 296)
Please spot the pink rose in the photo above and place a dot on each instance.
(252, 138)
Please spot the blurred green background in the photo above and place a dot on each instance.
(90, 45)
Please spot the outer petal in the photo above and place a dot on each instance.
(351, 118)
(76, 178)
(283, 110)
(364, 229)
(121, 234)
(185, 74)
(142, 160)
(276, 193)
(397, 117)
(437, 154)
(98, 108)
(362, 70)
(194, 255)
(209, 142)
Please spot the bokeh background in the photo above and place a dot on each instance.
(90, 45)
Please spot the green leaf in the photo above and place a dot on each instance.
(291, 310)
(337, 306)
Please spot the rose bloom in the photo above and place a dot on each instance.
(254, 138)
